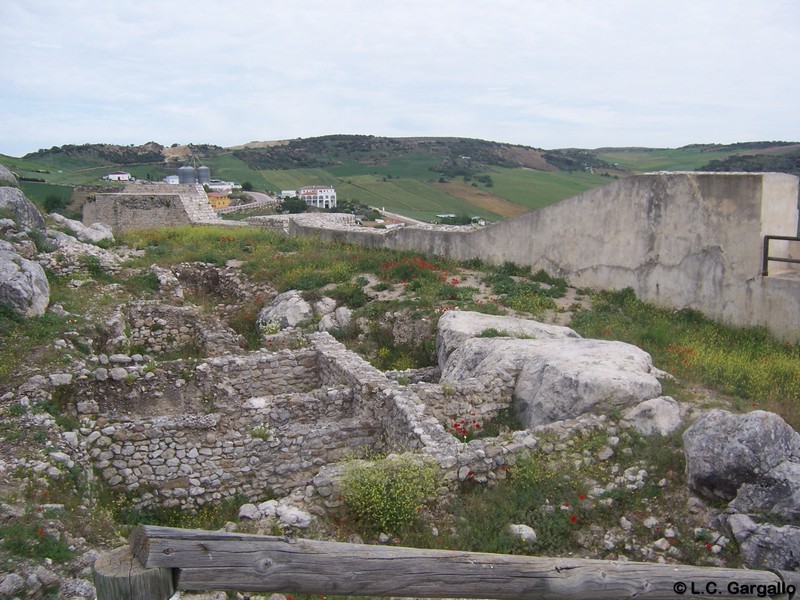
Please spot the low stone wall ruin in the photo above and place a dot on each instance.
(267, 423)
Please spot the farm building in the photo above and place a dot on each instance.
(118, 176)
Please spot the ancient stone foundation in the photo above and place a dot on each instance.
(268, 422)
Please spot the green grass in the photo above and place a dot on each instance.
(229, 168)
(37, 192)
(659, 159)
(535, 189)
(746, 363)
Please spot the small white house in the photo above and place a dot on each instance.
(118, 176)
(288, 194)
(172, 179)
(320, 196)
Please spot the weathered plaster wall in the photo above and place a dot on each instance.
(684, 240)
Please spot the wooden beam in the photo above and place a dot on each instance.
(118, 575)
(224, 561)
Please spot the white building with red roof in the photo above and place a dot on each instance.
(320, 196)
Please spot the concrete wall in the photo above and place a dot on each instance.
(683, 240)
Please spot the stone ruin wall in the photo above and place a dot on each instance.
(157, 328)
(135, 211)
(269, 422)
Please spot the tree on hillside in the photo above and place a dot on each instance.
(292, 206)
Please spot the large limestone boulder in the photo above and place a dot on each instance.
(22, 210)
(7, 177)
(724, 451)
(23, 283)
(560, 378)
(94, 233)
(457, 326)
(288, 309)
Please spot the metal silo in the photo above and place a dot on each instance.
(203, 174)
(186, 174)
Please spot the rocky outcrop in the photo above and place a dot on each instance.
(288, 309)
(658, 415)
(23, 283)
(22, 210)
(94, 233)
(557, 375)
(775, 494)
(338, 319)
(764, 545)
(754, 461)
(456, 326)
(7, 177)
(724, 451)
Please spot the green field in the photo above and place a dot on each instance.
(642, 160)
(387, 173)
(37, 192)
(535, 189)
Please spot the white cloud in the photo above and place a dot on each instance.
(547, 74)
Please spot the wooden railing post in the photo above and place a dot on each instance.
(118, 575)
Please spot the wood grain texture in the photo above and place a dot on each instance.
(118, 575)
(224, 561)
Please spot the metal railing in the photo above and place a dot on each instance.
(766, 257)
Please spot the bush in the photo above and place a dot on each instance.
(388, 495)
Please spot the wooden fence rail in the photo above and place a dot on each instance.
(161, 559)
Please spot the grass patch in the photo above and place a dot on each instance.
(747, 363)
(28, 538)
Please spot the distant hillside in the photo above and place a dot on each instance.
(782, 163)
(97, 154)
(418, 177)
(368, 150)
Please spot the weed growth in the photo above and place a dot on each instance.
(744, 362)
(386, 496)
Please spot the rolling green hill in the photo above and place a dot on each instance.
(418, 177)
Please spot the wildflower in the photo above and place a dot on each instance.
(573, 519)
(581, 496)
(40, 532)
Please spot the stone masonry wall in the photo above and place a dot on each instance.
(159, 328)
(147, 206)
(269, 422)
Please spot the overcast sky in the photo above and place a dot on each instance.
(550, 74)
